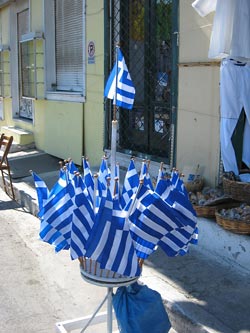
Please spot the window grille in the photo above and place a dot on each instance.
(144, 31)
(4, 71)
(32, 66)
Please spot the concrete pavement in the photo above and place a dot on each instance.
(201, 293)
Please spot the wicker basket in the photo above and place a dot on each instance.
(209, 211)
(205, 211)
(239, 191)
(233, 225)
(195, 186)
(91, 272)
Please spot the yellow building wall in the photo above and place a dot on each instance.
(93, 108)
(198, 96)
(36, 17)
(60, 129)
(57, 126)
(5, 27)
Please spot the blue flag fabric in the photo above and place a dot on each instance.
(41, 190)
(82, 219)
(110, 242)
(57, 211)
(130, 185)
(47, 232)
(180, 204)
(154, 222)
(120, 85)
(144, 175)
(88, 178)
(116, 231)
(60, 184)
(178, 183)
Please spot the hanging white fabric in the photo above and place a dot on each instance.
(231, 26)
(234, 96)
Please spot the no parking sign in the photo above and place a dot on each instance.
(91, 52)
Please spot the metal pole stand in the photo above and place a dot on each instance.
(96, 318)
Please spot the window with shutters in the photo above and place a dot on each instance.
(65, 49)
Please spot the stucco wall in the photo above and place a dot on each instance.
(94, 125)
(61, 128)
(198, 96)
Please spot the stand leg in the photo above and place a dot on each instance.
(95, 318)
(94, 314)
(109, 310)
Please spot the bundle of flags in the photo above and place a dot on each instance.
(117, 228)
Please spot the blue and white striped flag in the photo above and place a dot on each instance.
(88, 178)
(144, 175)
(130, 185)
(41, 190)
(181, 204)
(154, 222)
(47, 233)
(178, 182)
(82, 219)
(71, 169)
(104, 171)
(60, 184)
(57, 212)
(121, 90)
(110, 242)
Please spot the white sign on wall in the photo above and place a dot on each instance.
(91, 52)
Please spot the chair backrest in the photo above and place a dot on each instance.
(5, 144)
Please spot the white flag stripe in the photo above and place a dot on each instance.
(124, 98)
(124, 261)
(114, 249)
(144, 249)
(171, 244)
(98, 250)
(139, 232)
(185, 211)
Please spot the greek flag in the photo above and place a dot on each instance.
(47, 233)
(60, 184)
(57, 213)
(179, 202)
(144, 175)
(104, 171)
(119, 86)
(41, 190)
(178, 183)
(154, 222)
(71, 169)
(82, 218)
(130, 185)
(88, 178)
(110, 242)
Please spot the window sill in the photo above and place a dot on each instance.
(65, 96)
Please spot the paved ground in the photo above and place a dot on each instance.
(37, 287)
(201, 293)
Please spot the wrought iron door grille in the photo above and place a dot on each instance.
(143, 29)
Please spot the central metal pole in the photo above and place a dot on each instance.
(109, 310)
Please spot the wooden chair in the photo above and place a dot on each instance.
(5, 144)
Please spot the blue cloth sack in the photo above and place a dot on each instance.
(139, 309)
